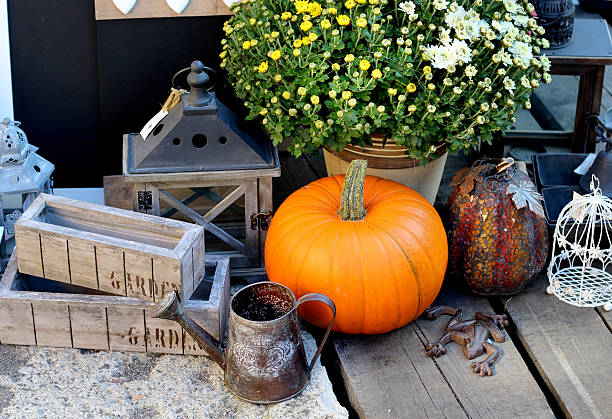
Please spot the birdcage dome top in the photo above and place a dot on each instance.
(580, 269)
(14, 146)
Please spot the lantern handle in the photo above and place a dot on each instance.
(209, 70)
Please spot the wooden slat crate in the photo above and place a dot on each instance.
(38, 311)
(116, 251)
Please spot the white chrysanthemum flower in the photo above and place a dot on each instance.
(521, 20)
(511, 5)
(462, 51)
(525, 82)
(522, 52)
(545, 63)
(444, 36)
(470, 71)
(440, 4)
(509, 84)
(408, 7)
(506, 58)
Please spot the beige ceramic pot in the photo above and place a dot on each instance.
(389, 161)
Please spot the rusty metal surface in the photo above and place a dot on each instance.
(264, 361)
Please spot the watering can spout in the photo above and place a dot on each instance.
(169, 308)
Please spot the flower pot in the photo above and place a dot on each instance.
(390, 161)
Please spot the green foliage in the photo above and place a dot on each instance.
(423, 73)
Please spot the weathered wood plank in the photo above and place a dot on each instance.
(126, 328)
(52, 324)
(17, 327)
(118, 193)
(391, 376)
(570, 347)
(28, 247)
(517, 393)
(89, 327)
(163, 336)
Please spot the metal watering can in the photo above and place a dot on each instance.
(264, 361)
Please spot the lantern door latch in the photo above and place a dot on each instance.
(261, 220)
(145, 200)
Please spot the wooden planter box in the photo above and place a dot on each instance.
(37, 311)
(116, 251)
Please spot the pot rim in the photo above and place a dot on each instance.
(248, 321)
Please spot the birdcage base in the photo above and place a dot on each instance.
(582, 286)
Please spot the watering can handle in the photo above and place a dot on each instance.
(314, 296)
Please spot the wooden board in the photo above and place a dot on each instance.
(105, 248)
(118, 193)
(571, 348)
(65, 315)
(390, 375)
(105, 9)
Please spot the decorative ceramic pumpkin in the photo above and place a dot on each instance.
(498, 237)
(377, 248)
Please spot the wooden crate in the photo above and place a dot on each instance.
(116, 251)
(38, 311)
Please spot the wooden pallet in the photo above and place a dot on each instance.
(38, 311)
(112, 250)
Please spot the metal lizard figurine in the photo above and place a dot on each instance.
(471, 334)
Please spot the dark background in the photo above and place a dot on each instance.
(80, 84)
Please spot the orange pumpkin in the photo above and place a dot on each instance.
(374, 246)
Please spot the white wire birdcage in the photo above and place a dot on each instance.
(579, 271)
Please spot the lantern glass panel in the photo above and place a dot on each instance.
(12, 202)
(204, 201)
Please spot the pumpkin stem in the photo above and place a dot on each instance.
(351, 201)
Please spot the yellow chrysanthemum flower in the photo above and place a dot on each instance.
(427, 69)
(361, 22)
(292, 112)
(296, 52)
(431, 86)
(332, 10)
(349, 4)
(301, 6)
(306, 25)
(343, 20)
(223, 54)
(411, 108)
(278, 78)
(275, 55)
(263, 67)
(286, 15)
(305, 40)
(325, 24)
(346, 95)
(319, 124)
(361, 1)
(313, 36)
(246, 45)
(335, 66)
(263, 111)
(252, 21)
(314, 99)
(302, 91)
(315, 9)
(286, 95)
(364, 65)
(297, 43)
(349, 58)
(392, 91)
(376, 74)
(411, 87)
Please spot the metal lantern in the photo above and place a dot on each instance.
(579, 271)
(23, 175)
(557, 18)
(198, 161)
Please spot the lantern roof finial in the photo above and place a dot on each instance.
(197, 80)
